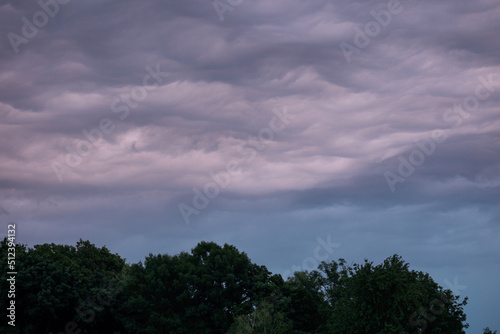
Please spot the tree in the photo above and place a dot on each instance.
(58, 284)
(217, 289)
(201, 292)
(263, 320)
(308, 309)
(388, 298)
(487, 330)
(226, 284)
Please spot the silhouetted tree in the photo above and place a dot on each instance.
(389, 298)
(199, 292)
(217, 289)
(58, 284)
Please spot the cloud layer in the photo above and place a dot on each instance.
(112, 112)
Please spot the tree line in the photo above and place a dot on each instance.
(217, 289)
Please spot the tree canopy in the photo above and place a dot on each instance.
(217, 289)
(389, 298)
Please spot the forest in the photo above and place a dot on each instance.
(217, 289)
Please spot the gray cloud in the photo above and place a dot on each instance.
(322, 174)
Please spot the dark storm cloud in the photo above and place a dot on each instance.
(324, 173)
(228, 75)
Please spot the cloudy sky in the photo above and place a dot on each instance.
(296, 130)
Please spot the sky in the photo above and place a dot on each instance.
(298, 131)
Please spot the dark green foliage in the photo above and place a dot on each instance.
(217, 289)
(199, 292)
(54, 283)
(388, 298)
(308, 309)
(263, 320)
